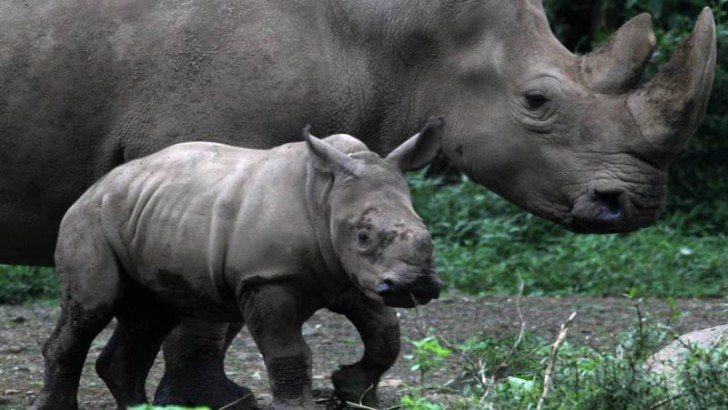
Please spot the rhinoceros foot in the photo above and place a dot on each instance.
(199, 387)
(354, 385)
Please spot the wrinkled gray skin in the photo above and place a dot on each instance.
(85, 86)
(222, 233)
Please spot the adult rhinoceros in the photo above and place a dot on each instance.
(85, 86)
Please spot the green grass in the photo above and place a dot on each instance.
(484, 245)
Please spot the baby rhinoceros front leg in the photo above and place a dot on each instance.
(274, 315)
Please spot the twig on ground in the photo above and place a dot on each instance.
(420, 326)
(361, 398)
(233, 403)
(519, 339)
(363, 407)
(548, 378)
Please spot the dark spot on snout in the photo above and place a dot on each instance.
(386, 238)
(459, 150)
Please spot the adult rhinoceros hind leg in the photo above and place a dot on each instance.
(125, 361)
(378, 327)
(194, 373)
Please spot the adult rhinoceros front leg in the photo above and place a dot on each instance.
(378, 327)
(194, 374)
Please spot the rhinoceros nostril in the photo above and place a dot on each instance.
(386, 286)
(609, 201)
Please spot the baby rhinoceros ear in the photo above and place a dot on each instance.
(325, 157)
(420, 149)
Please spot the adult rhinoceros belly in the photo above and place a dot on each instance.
(87, 86)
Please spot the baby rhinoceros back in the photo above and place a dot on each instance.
(221, 233)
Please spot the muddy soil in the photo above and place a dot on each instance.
(334, 341)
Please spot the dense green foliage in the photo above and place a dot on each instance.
(22, 283)
(485, 244)
(509, 374)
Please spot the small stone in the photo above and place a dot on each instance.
(14, 349)
(20, 319)
(10, 392)
(391, 383)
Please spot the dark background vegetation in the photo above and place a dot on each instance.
(486, 245)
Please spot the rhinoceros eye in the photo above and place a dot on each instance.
(535, 99)
(363, 239)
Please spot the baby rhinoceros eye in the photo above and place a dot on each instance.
(363, 239)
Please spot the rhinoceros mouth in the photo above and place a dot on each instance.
(406, 300)
(611, 213)
(395, 295)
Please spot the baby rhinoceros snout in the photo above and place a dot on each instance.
(413, 281)
(409, 289)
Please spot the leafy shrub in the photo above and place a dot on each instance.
(484, 245)
(498, 374)
(22, 283)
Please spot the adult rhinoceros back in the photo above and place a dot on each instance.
(86, 86)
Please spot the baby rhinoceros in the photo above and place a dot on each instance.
(221, 233)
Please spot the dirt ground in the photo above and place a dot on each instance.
(333, 341)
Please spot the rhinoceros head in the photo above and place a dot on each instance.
(571, 138)
(379, 240)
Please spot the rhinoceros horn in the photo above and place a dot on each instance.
(618, 66)
(669, 108)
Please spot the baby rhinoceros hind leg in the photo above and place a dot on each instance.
(89, 276)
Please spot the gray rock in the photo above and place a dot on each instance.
(669, 357)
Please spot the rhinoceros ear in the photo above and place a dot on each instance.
(325, 157)
(420, 149)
